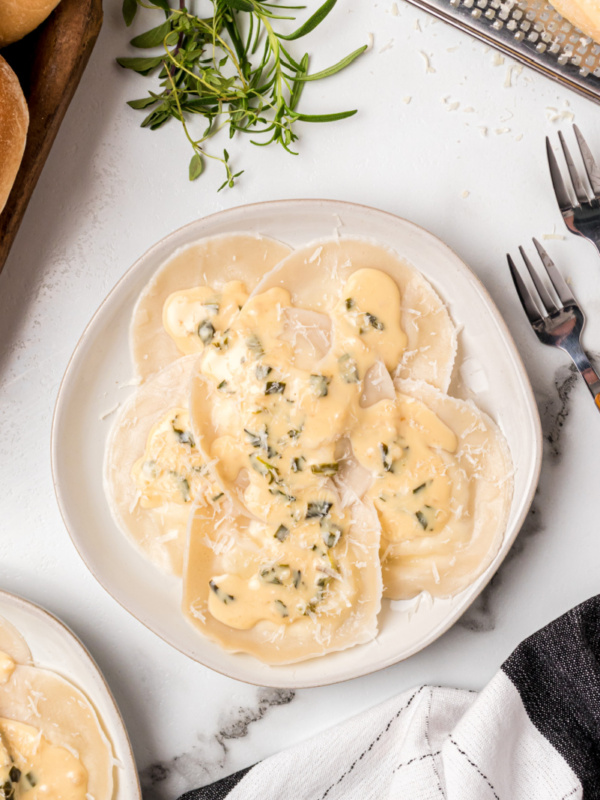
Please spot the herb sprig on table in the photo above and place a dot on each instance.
(232, 68)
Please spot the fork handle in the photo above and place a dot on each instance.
(588, 373)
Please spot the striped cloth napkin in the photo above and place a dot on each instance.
(532, 733)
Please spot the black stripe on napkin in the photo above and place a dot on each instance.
(557, 674)
(218, 790)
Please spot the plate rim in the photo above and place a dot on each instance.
(51, 620)
(533, 415)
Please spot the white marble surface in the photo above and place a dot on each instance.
(110, 189)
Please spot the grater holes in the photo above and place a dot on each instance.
(532, 27)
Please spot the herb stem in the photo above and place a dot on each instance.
(213, 67)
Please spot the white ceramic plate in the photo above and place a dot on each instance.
(53, 646)
(98, 379)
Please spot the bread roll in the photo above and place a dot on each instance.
(20, 17)
(14, 121)
(584, 14)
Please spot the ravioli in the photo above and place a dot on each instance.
(52, 744)
(153, 469)
(208, 265)
(12, 644)
(284, 594)
(316, 274)
(65, 719)
(451, 503)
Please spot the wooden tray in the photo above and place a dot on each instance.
(49, 63)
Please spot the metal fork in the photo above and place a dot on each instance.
(579, 202)
(555, 316)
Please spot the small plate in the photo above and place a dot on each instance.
(98, 379)
(53, 646)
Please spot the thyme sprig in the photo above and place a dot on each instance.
(232, 68)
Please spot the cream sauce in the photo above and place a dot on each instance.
(34, 769)
(193, 317)
(274, 424)
(284, 421)
(399, 442)
(211, 262)
(283, 574)
(172, 470)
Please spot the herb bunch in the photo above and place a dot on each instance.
(232, 68)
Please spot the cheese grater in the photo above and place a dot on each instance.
(530, 31)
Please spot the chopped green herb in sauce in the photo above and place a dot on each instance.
(254, 438)
(264, 467)
(374, 322)
(206, 331)
(272, 574)
(324, 469)
(282, 533)
(185, 437)
(254, 344)
(348, 369)
(330, 533)
(319, 384)
(422, 520)
(281, 608)
(261, 371)
(385, 457)
(274, 387)
(318, 509)
(223, 596)
(221, 340)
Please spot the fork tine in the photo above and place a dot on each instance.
(582, 195)
(562, 196)
(548, 303)
(591, 167)
(527, 301)
(556, 279)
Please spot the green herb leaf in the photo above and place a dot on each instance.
(142, 65)
(325, 117)
(325, 73)
(143, 102)
(239, 5)
(196, 166)
(130, 8)
(161, 4)
(153, 37)
(311, 23)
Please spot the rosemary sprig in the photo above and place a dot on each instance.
(232, 68)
